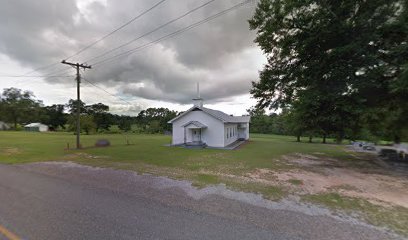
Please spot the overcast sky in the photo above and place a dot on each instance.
(219, 54)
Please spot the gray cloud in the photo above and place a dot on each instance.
(219, 54)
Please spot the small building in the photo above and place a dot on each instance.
(36, 127)
(4, 126)
(208, 127)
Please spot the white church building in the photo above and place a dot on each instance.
(200, 126)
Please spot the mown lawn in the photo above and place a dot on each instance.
(260, 152)
(148, 154)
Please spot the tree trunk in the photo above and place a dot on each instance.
(397, 139)
(340, 137)
(15, 123)
(310, 139)
(298, 138)
(324, 138)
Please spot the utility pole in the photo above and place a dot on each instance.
(78, 113)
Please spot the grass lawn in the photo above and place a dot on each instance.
(148, 154)
(262, 152)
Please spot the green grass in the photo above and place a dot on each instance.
(267, 191)
(296, 182)
(262, 152)
(148, 153)
(202, 180)
(395, 218)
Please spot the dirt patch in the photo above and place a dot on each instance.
(306, 160)
(317, 175)
(377, 188)
(75, 156)
(9, 151)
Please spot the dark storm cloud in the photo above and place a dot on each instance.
(219, 54)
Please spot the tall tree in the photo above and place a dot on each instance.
(55, 116)
(102, 118)
(72, 106)
(154, 120)
(87, 123)
(341, 57)
(19, 106)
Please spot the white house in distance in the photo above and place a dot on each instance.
(200, 126)
(4, 126)
(36, 127)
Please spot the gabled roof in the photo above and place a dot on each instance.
(195, 123)
(216, 114)
(35, 125)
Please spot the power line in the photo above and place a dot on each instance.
(34, 78)
(116, 30)
(63, 70)
(152, 31)
(178, 32)
(97, 41)
(39, 68)
(173, 34)
(145, 34)
(93, 84)
(46, 76)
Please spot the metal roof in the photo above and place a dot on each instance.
(35, 125)
(216, 114)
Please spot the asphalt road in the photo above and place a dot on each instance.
(68, 201)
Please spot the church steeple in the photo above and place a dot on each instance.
(198, 101)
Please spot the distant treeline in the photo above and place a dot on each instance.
(19, 107)
(288, 122)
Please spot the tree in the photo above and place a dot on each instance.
(343, 58)
(18, 106)
(87, 123)
(260, 122)
(96, 108)
(102, 118)
(293, 122)
(99, 112)
(55, 116)
(72, 106)
(125, 124)
(154, 120)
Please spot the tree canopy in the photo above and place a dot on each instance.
(17, 106)
(21, 107)
(337, 64)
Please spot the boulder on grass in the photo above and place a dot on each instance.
(102, 143)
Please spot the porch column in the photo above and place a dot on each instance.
(185, 136)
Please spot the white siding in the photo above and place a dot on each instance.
(212, 135)
(247, 131)
(43, 128)
(229, 136)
